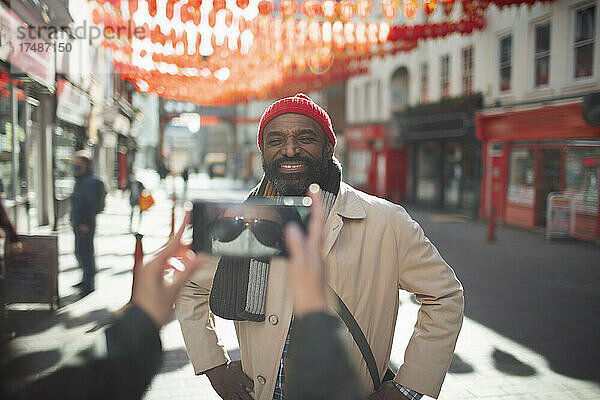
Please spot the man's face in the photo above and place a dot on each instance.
(296, 153)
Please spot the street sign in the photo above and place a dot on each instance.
(32, 276)
(558, 215)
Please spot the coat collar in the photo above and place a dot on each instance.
(347, 204)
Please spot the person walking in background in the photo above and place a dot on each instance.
(185, 175)
(84, 207)
(135, 188)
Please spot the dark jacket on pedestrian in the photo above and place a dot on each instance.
(84, 199)
(133, 357)
(135, 190)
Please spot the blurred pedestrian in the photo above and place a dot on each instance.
(373, 249)
(135, 188)
(84, 207)
(185, 175)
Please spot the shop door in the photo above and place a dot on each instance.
(549, 181)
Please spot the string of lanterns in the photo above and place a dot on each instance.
(222, 52)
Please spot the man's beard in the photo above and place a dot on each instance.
(296, 184)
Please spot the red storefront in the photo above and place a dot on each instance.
(531, 151)
(373, 164)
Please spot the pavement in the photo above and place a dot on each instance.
(530, 330)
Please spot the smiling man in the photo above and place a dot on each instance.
(372, 248)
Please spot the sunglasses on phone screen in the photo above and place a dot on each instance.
(266, 232)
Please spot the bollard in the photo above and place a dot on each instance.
(491, 228)
(138, 257)
(174, 198)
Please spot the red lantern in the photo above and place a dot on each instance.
(288, 8)
(152, 8)
(218, 5)
(389, 8)
(372, 34)
(311, 8)
(242, 3)
(346, 10)
(384, 32)
(429, 6)
(133, 6)
(469, 7)
(314, 32)
(448, 6)
(212, 18)
(410, 8)
(96, 17)
(266, 7)
(329, 9)
(169, 9)
(363, 8)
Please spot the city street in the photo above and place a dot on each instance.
(530, 330)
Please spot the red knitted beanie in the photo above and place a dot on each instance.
(298, 104)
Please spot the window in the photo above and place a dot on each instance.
(542, 54)
(424, 83)
(584, 41)
(467, 70)
(445, 75)
(505, 62)
(521, 185)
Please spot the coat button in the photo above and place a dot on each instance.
(273, 319)
(261, 379)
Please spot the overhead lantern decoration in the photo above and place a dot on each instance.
(266, 7)
(217, 4)
(429, 6)
(448, 5)
(329, 9)
(311, 8)
(410, 8)
(363, 8)
(389, 8)
(346, 10)
(288, 8)
(242, 4)
(152, 7)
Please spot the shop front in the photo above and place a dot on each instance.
(72, 116)
(374, 163)
(444, 155)
(533, 151)
(26, 87)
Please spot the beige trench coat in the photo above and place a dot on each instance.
(372, 249)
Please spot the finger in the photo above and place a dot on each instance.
(317, 220)
(295, 242)
(180, 278)
(186, 220)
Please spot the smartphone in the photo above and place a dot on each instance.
(250, 229)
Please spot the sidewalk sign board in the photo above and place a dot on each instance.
(558, 215)
(32, 276)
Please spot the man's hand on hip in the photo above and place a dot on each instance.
(388, 391)
(230, 382)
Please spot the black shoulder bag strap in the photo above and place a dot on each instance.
(360, 339)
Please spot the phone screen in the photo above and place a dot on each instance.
(250, 229)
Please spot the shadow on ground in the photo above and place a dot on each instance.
(539, 293)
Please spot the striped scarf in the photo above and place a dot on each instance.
(240, 284)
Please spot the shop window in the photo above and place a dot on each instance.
(65, 144)
(584, 42)
(505, 62)
(542, 54)
(399, 89)
(424, 83)
(581, 174)
(359, 166)
(445, 76)
(521, 185)
(6, 139)
(467, 70)
(428, 167)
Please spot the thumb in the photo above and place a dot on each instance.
(294, 240)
